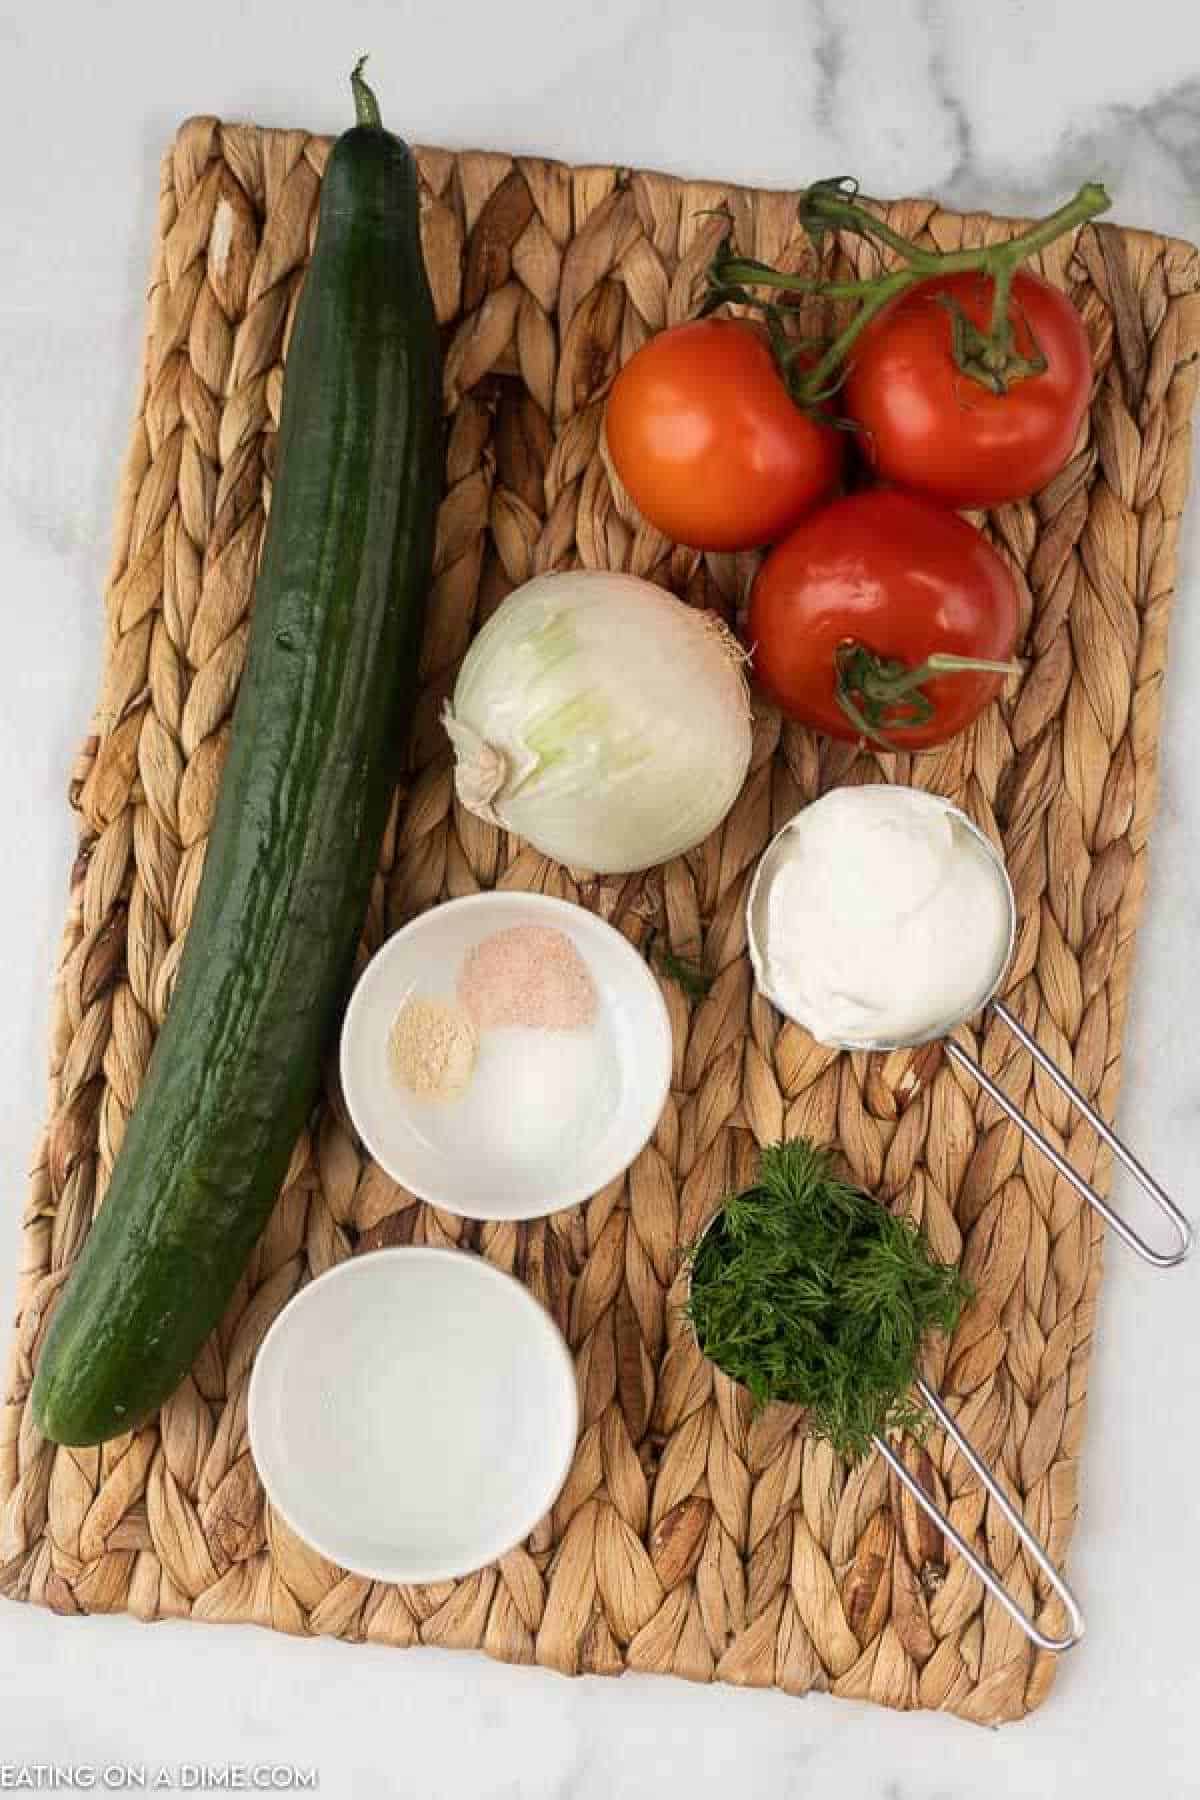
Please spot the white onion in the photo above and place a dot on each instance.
(601, 719)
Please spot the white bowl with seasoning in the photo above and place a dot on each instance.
(526, 1117)
(413, 1414)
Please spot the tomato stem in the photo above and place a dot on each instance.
(880, 694)
(1000, 327)
(886, 289)
(729, 270)
(989, 356)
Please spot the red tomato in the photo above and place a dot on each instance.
(929, 427)
(871, 587)
(709, 443)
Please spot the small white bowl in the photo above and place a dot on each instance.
(413, 1414)
(544, 1123)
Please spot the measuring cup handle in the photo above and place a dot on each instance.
(1161, 1259)
(975, 1562)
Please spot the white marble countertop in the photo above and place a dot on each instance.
(1007, 108)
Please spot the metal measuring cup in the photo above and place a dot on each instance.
(983, 1570)
(1161, 1259)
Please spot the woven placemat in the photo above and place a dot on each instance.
(691, 1538)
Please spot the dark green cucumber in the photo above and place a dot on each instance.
(318, 730)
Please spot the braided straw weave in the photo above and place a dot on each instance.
(691, 1537)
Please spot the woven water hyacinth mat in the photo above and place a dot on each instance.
(691, 1538)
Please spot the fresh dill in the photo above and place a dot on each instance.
(688, 975)
(808, 1290)
(691, 978)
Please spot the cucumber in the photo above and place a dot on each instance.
(319, 727)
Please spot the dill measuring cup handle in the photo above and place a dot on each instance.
(970, 1556)
(1161, 1259)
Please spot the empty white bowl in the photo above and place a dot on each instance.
(413, 1414)
(539, 1127)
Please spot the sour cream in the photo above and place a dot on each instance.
(879, 916)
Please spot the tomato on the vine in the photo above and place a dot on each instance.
(872, 620)
(708, 442)
(929, 426)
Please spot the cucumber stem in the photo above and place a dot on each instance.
(366, 106)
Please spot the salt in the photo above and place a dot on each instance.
(528, 975)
